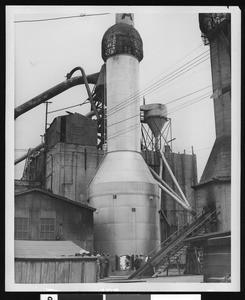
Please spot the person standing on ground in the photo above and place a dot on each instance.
(107, 264)
(136, 262)
(98, 268)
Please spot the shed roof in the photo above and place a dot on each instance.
(55, 196)
(44, 249)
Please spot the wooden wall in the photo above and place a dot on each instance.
(77, 222)
(51, 270)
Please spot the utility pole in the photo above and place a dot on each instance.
(46, 118)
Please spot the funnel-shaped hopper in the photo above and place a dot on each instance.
(155, 117)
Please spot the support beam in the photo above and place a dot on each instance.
(161, 184)
(165, 184)
(173, 177)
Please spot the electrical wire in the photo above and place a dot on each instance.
(193, 101)
(172, 101)
(138, 115)
(130, 128)
(184, 66)
(159, 84)
(116, 108)
(60, 18)
(205, 53)
(53, 111)
(175, 63)
(181, 79)
(184, 106)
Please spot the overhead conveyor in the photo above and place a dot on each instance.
(172, 248)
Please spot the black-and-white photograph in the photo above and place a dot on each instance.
(123, 137)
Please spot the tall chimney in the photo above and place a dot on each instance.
(214, 188)
(123, 190)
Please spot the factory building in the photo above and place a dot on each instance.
(118, 183)
(40, 215)
(97, 183)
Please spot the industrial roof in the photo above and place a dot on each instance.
(44, 249)
(56, 196)
(219, 162)
(210, 235)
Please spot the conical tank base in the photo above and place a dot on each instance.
(125, 195)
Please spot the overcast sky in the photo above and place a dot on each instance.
(44, 52)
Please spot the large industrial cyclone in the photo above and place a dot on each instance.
(123, 189)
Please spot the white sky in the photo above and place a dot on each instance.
(44, 52)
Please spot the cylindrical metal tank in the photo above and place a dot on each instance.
(126, 198)
(123, 190)
(123, 114)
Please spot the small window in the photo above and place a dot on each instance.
(21, 226)
(47, 229)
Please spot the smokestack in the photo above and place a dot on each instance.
(123, 189)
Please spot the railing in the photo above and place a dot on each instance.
(177, 232)
(173, 241)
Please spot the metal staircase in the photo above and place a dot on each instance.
(173, 247)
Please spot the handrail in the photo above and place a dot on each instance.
(178, 230)
(206, 214)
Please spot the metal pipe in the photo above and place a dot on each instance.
(68, 76)
(165, 184)
(54, 91)
(29, 152)
(160, 184)
(160, 190)
(173, 177)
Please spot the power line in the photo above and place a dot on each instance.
(60, 18)
(162, 81)
(172, 101)
(190, 103)
(193, 101)
(138, 115)
(165, 81)
(86, 101)
(134, 116)
(130, 128)
(175, 63)
(183, 105)
(181, 80)
(159, 85)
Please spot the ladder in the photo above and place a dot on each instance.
(172, 248)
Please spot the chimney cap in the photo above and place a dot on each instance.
(122, 38)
